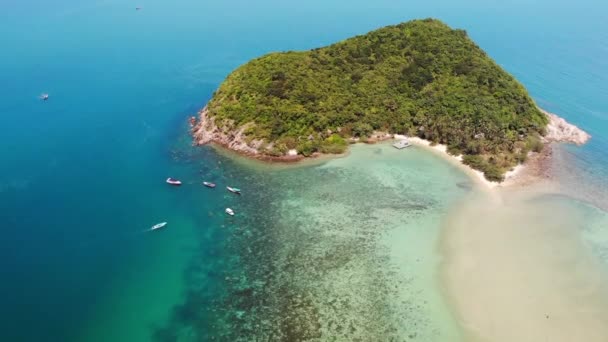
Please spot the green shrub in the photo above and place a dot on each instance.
(307, 148)
(289, 142)
(522, 157)
(493, 173)
(474, 161)
(454, 150)
(336, 139)
(334, 144)
(333, 148)
(362, 129)
(534, 143)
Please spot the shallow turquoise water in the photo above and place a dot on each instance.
(345, 249)
(82, 174)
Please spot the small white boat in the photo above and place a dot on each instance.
(234, 190)
(209, 184)
(229, 211)
(173, 181)
(401, 144)
(158, 226)
(44, 97)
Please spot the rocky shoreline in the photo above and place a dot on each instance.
(559, 130)
(539, 167)
(205, 131)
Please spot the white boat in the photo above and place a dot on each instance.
(229, 211)
(209, 184)
(44, 97)
(173, 181)
(401, 144)
(158, 226)
(234, 190)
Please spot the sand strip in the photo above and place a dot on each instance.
(517, 270)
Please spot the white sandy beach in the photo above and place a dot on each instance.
(477, 176)
(558, 130)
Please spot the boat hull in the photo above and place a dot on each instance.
(158, 226)
(234, 190)
(175, 182)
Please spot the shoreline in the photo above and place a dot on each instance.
(535, 170)
(441, 150)
(274, 163)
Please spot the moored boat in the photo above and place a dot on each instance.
(229, 211)
(401, 144)
(209, 184)
(158, 225)
(234, 190)
(173, 181)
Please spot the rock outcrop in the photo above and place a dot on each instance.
(559, 130)
(206, 131)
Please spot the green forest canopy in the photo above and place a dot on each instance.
(420, 78)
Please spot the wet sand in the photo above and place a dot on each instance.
(516, 269)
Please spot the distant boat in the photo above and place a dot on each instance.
(234, 190)
(158, 226)
(137, 8)
(229, 211)
(209, 185)
(173, 181)
(44, 97)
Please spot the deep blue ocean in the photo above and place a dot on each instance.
(82, 174)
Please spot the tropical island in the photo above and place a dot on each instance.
(420, 78)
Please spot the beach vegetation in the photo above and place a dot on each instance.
(334, 144)
(420, 78)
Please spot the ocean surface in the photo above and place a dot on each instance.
(344, 249)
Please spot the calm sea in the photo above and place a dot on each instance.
(82, 174)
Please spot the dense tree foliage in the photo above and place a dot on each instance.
(419, 78)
